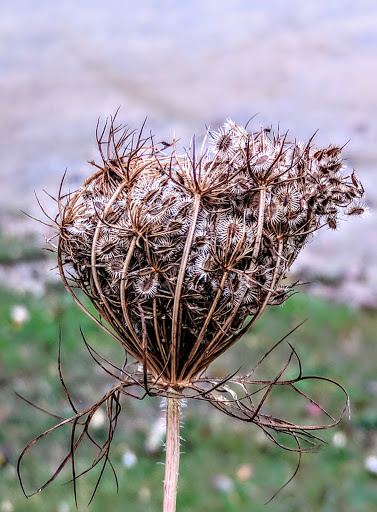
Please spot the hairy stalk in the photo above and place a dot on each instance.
(173, 419)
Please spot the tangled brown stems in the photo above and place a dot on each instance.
(181, 254)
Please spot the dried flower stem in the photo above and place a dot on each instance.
(173, 423)
(180, 255)
(178, 292)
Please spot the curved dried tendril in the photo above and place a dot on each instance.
(219, 392)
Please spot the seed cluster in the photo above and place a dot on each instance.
(180, 254)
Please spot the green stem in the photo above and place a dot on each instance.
(173, 423)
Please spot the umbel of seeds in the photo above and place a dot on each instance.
(180, 254)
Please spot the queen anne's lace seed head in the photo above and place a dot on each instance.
(181, 254)
(177, 251)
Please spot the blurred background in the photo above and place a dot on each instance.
(186, 65)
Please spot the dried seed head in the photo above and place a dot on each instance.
(176, 252)
(180, 255)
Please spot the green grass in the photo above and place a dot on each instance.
(335, 341)
(16, 249)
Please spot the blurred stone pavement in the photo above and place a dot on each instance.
(186, 65)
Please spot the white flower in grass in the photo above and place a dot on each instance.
(339, 439)
(129, 459)
(19, 315)
(6, 506)
(99, 419)
(370, 464)
(223, 483)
